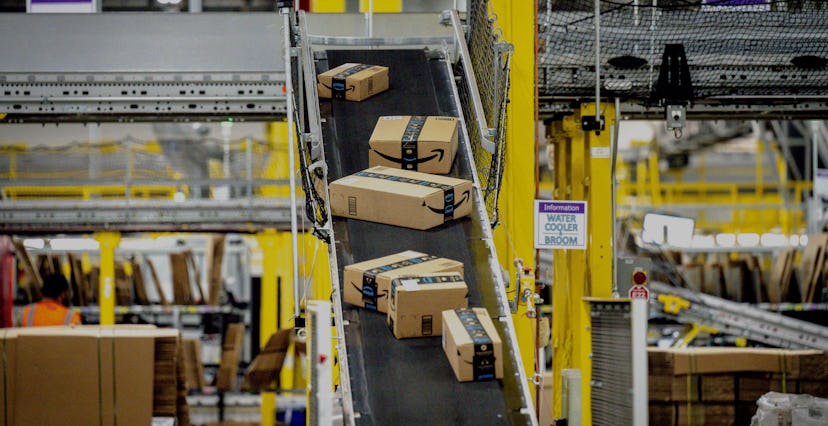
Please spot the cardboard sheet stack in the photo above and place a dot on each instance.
(230, 350)
(90, 375)
(720, 386)
(744, 280)
(193, 367)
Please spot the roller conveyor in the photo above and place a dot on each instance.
(410, 381)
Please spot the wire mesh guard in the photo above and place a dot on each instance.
(131, 167)
(490, 56)
(732, 48)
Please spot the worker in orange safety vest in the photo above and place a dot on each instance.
(50, 310)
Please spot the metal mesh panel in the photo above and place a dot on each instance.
(734, 48)
(611, 363)
(490, 59)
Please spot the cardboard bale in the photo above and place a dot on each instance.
(472, 345)
(265, 368)
(674, 388)
(817, 388)
(165, 382)
(662, 413)
(83, 375)
(417, 303)
(401, 197)
(352, 82)
(717, 387)
(705, 414)
(8, 390)
(368, 283)
(737, 360)
(426, 144)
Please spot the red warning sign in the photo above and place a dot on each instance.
(639, 292)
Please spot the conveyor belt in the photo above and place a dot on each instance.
(409, 381)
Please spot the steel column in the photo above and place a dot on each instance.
(106, 293)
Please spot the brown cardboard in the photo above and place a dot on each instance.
(426, 144)
(462, 351)
(84, 375)
(378, 273)
(417, 303)
(8, 345)
(352, 82)
(229, 366)
(735, 360)
(265, 368)
(214, 257)
(193, 367)
(401, 197)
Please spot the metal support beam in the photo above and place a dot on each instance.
(514, 238)
(106, 293)
(268, 321)
(582, 172)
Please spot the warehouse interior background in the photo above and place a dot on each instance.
(645, 231)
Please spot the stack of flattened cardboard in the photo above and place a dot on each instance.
(214, 257)
(720, 386)
(265, 368)
(86, 375)
(230, 349)
(813, 265)
(193, 367)
(182, 287)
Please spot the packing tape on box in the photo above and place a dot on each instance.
(338, 84)
(419, 280)
(408, 148)
(369, 279)
(448, 191)
(783, 368)
(483, 361)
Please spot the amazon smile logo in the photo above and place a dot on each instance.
(450, 207)
(437, 153)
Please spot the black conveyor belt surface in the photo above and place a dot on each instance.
(407, 381)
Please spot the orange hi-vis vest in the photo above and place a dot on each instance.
(48, 312)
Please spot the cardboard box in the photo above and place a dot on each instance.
(419, 143)
(367, 284)
(82, 375)
(352, 82)
(417, 303)
(472, 345)
(401, 197)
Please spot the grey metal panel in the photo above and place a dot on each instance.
(611, 384)
(140, 42)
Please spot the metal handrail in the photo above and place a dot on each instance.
(486, 133)
(376, 41)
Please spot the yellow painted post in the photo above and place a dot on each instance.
(106, 293)
(655, 180)
(513, 238)
(277, 165)
(327, 6)
(599, 197)
(382, 6)
(582, 173)
(268, 321)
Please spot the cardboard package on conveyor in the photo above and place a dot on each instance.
(367, 284)
(352, 82)
(401, 197)
(426, 144)
(472, 345)
(89, 375)
(417, 302)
